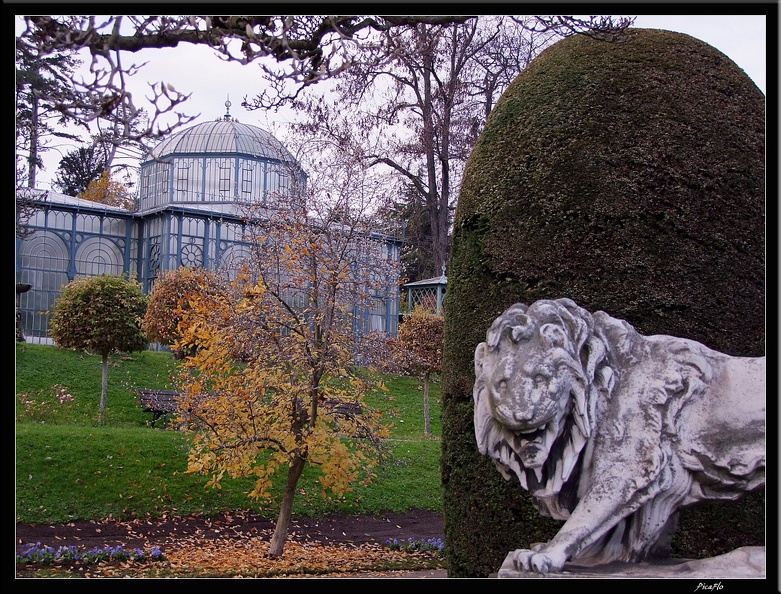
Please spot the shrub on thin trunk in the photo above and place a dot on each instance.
(418, 350)
(101, 315)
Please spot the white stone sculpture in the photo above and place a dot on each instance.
(613, 431)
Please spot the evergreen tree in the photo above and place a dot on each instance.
(101, 315)
(417, 256)
(79, 168)
(39, 80)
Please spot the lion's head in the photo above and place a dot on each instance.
(537, 378)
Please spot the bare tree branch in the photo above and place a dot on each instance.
(306, 49)
(419, 96)
(428, 94)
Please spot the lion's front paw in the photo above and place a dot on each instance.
(539, 562)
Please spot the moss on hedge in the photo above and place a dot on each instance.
(628, 177)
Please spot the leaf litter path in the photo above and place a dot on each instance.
(235, 545)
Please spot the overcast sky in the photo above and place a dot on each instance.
(196, 70)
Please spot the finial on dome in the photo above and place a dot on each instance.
(228, 109)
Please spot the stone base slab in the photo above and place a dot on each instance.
(742, 563)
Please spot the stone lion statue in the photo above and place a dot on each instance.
(613, 431)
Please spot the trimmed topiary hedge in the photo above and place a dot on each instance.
(628, 177)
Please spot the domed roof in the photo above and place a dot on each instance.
(223, 137)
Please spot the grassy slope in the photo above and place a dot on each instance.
(69, 468)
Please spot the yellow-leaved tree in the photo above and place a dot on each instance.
(106, 191)
(274, 386)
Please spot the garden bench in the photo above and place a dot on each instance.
(158, 402)
(345, 409)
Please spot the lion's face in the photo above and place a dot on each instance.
(527, 386)
(534, 396)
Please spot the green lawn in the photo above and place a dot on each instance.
(68, 467)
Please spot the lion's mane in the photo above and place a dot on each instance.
(554, 493)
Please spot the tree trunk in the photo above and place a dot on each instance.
(103, 392)
(32, 160)
(426, 413)
(277, 545)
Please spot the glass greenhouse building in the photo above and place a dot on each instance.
(190, 199)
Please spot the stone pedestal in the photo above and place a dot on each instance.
(742, 563)
(20, 288)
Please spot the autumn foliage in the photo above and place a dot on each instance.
(106, 191)
(172, 292)
(272, 387)
(418, 350)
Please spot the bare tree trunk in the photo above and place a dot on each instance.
(426, 413)
(103, 391)
(277, 545)
(32, 160)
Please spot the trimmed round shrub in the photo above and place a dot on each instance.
(101, 315)
(172, 291)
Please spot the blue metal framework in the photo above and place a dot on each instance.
(189, 215)
(73, 238)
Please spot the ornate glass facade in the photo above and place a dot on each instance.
(189, 214)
